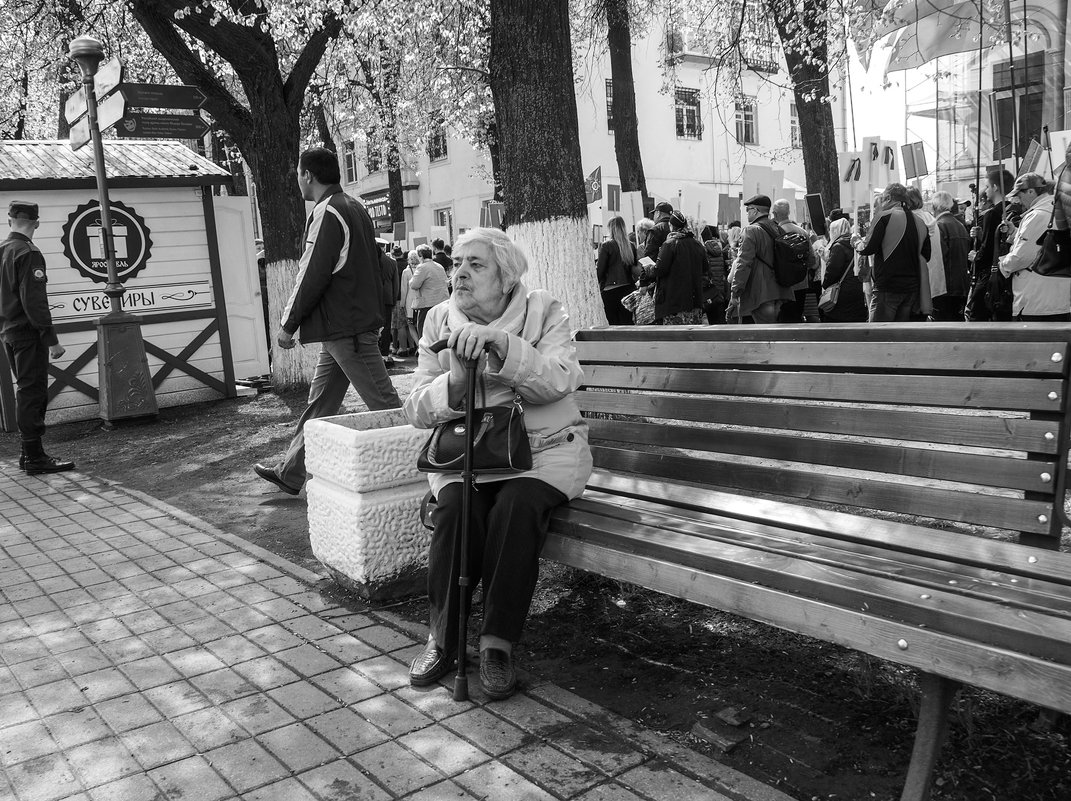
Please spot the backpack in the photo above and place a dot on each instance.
(791, 252)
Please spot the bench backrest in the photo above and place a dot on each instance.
(954, 422)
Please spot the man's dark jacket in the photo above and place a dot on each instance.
(24, 314)
(338, 291)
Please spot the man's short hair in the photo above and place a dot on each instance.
(322, 163)
(1001, 178)
(22, 210)
(942, 202)
(781, 209)
(424, 251)
(437, 244)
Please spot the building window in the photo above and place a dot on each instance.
(609, 105)
(794, 126)
(745, 120)
(349, 160)
(689, 124)
(437, 149)
(444, 218)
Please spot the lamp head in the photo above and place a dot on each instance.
(87, 52)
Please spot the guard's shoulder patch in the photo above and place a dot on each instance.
(39, 275)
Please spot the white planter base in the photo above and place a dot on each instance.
(364, 503)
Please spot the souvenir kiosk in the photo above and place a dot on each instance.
(185, 256)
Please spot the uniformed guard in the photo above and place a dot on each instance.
(27, 333)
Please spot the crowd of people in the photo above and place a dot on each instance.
(908, 260)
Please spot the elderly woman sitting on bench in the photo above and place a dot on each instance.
(529, 353)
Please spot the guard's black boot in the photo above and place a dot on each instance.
(35, 460)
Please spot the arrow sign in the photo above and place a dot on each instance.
(160, 95)
(75, 106)
(80, 133)
(108, 77)
(110, 110)
(161, 126)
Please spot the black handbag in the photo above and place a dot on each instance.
(500, 443)
(1054, 258)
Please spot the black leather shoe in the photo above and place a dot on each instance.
(45, 464)
(269, 474)
(497, 676)
(430, 665)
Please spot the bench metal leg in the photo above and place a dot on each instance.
(937, 694)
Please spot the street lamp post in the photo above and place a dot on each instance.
(124, 382)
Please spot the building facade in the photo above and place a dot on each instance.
(707, 138)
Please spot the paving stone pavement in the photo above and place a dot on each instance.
(146, 656)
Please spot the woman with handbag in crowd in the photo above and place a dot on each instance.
(530, 359)
(617, 270)
(849, 302)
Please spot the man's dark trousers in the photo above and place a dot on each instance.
(29, 361)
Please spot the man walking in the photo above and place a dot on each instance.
(792, 310)
(338, 302)
(27, 333)
(1035, 297)
(753, 289)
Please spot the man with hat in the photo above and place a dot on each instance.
(27, 333)
(658, 235)
(753, 288)
(1034, 297)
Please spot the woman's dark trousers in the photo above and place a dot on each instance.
(508, 526)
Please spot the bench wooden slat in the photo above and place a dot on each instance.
(1032, 632)
(967, 392)
(999, 512)
(809, 332)
(1030, 678)
(935, 357)
(994, 471)
(898, 538)
(948, 429)
(979, 582)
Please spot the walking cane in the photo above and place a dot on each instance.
(461, 679)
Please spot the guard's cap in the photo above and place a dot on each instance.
(664, 207)
(762, 201)
(22, 210)
(1030, 180)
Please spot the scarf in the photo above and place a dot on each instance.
(511, 320)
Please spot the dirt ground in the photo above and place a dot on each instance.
(815, 720)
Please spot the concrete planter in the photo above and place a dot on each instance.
(364, 502)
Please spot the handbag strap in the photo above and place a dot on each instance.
(1056, 198)
(849, 266)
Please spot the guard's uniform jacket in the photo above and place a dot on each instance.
(338, 291)
(24, 314)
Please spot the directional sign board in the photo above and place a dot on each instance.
(159, 95)
(110, 110)
(75, 106)
(80, 133)
(161, 126)
(109, 76)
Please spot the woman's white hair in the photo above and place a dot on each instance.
(504, 253)
(645, 224)
(942, 202)
(839, 228)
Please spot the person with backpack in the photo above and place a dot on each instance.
(899, 241)
(754, 291)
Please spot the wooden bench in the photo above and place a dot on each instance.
(731, 462)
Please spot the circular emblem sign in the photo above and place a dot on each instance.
(83, 241)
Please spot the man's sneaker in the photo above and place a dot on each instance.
(269, 474)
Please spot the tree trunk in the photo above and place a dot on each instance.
(531, 68)
(808, 65)
(395, 195)
(623, 106)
